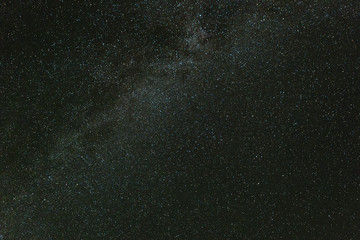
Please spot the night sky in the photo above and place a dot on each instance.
(209, 119)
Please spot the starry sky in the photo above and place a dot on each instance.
(210, 119)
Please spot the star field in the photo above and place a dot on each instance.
(179, 120)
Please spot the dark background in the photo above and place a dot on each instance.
(179, 120)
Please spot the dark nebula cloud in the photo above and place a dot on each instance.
(179, 120)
